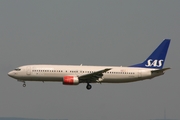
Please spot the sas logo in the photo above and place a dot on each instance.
(155, 63)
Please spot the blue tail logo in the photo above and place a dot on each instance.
(155, 63)
(157, 58)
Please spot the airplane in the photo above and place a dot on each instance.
(76, 74)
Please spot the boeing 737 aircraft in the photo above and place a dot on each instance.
(76, 74)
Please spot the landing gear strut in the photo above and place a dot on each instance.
(88, 86)
(24, 85)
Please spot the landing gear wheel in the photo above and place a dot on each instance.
(88, 86)
(24, 85)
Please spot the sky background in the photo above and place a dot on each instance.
(89, 32)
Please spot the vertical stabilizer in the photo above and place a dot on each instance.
(157, 58)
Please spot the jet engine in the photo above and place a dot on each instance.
(70, 80)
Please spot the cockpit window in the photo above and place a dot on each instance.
(17, 69)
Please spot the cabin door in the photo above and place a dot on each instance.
(28, 70)
(139, 74)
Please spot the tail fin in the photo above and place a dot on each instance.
(157, 58)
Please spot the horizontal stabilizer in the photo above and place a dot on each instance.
(161, 70)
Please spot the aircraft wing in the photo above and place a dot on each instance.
(92, 77)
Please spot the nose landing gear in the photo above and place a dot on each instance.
(24, 84)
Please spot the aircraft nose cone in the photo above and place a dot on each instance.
(10, 74)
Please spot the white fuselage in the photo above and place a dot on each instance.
(55, 73)
(74, 74)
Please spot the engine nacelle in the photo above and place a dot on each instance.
(70, 80)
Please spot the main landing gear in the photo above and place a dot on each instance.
(88, 86)
(24, 84)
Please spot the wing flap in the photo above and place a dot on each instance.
(93, 76)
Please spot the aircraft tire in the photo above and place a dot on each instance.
(88, 86)
(24, 85)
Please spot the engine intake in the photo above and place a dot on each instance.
(70, 80)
